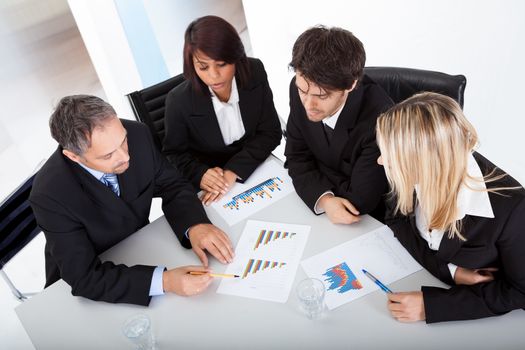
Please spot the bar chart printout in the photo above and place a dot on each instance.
(341, 278)
(340, 268)
(266, 259)
(260, 265)
(268, 184)
(267, 236)
(262, 190)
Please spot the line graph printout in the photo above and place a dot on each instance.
(268, 183)
(340, 268)
(266, 259)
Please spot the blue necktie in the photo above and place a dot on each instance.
(111, 181)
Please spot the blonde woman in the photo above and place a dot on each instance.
(458, 215)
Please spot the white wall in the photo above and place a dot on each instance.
(42, 59)
(99, 24)
(482, 39)
(170, 18)
(110, 45)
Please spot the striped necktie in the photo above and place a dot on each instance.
(111, 181)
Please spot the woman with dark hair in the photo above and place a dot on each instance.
(221, 122)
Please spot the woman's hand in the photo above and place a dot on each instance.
(213, 181)
(406, 306)
(228, 178)
(474, 276)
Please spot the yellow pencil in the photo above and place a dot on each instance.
(224, 275)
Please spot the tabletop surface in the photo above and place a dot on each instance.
(54, 319)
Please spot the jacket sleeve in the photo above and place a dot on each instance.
(180, 204)
(503, 294)
(267, 136)
(79, 265)
(177, 140)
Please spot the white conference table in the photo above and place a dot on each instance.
(54, 319)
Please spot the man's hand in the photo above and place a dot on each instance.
(470, 276)
(406, 306)
(339, 210)
(213, 181)
(179, 280)
(215, 241)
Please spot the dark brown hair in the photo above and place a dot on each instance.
(332, 58)
(219, 40)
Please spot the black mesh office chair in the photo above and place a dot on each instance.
(401, 83)
(148, 105)
(17, 228)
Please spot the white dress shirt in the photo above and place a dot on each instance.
(331, 122)
(472, 200)
(229, 115)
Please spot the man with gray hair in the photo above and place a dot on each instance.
(96, 189)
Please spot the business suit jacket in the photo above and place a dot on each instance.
(193, 141)
(490, 242)
(81, 218)
(348, 164)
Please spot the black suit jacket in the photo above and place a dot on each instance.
(82, 218)
(497, 242)
(348, 164)
(193, 141)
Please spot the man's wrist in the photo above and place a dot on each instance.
(322, 201)
(166, 281)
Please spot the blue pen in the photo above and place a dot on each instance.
(376, 281)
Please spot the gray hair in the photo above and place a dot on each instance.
(74, 119)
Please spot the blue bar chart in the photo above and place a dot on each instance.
(268, 184)
(263, 191)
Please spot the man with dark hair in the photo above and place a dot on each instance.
(331, 151)
(96, 190)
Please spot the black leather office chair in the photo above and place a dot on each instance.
(148, 105)
(17, 228)
(401, 83)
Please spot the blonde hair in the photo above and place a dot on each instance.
(426, 140)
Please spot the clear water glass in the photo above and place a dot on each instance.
(311, 292)
(138, 330)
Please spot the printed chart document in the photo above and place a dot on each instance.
(266, 259)
(340, 268)
(268, 183)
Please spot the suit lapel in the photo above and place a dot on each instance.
(101, 194)
(249, 100)
(449, 247)
(205, 121)
(345, 124)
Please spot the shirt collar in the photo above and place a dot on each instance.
(234, 97)
(331, 121)
(97, 174)
(473, 198)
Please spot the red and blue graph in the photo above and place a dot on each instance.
(254, 266)
(262, 190)
(342, 278)
(267, 236)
